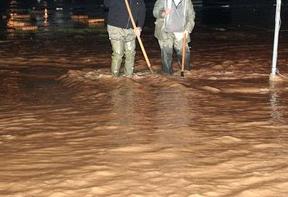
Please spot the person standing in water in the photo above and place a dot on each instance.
(174, 20)
(121, 33)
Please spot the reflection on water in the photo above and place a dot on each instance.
(276, 110)
(40, 15)
(123, 102)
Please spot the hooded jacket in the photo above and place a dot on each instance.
(161, 32)
(118, 15)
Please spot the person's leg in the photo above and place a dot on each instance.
(129, 50)
(178, 48)
(116, 37)
(117, 55)
(166, 55)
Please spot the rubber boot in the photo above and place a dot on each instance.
(129, 58)
(187, 64)
(166, 58)
(117, 55)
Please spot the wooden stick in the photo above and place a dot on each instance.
(183, 54)
(138, 36)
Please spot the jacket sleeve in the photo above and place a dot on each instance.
(190, 17)
(158, 9)
(107, 3)
(141, 14)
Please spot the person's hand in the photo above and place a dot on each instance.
(166, 12)
(186, 33)
(137, 31)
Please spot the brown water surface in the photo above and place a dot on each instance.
(68, 129)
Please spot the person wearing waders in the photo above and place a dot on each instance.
(121, 33)
(174, 19)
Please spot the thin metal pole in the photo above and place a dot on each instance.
(138, 36)
(276, 38)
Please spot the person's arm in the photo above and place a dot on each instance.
(190, 17)
(158, 9)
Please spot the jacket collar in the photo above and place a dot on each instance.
(177, 2)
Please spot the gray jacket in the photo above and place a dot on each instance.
(189, 22)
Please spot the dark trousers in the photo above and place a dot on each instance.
(167, 48)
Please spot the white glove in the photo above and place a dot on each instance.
(137, 31)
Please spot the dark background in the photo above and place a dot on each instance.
(211, 13)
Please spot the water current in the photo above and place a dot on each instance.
(68, 129)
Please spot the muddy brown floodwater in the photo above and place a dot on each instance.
(67, 129)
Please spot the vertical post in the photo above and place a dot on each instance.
(276, 39)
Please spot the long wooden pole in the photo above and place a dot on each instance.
(183, 54)
(138, 36)
(276, 39)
